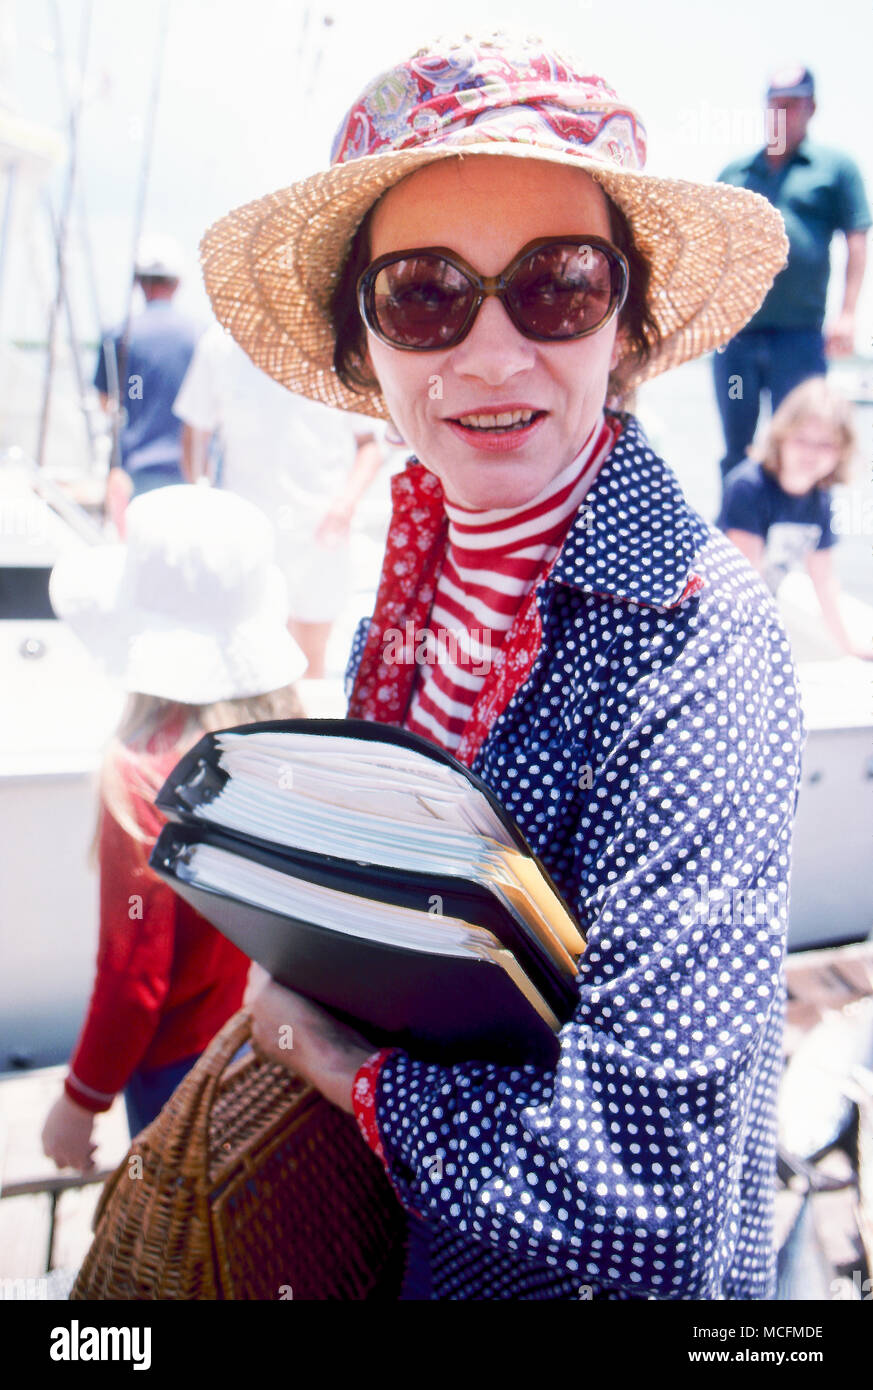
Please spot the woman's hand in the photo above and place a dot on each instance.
(288, 1029)
(66, 1135)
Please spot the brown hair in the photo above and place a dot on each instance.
(350, 335)
(150, 726)
(813, 399)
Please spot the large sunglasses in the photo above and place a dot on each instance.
(556, 289)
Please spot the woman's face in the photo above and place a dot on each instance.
(485, 210)
(809, 453)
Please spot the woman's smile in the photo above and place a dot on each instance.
(497, 427)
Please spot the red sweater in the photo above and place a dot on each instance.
(166, 980)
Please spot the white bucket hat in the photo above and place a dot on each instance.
(159, 256)
(192, 607)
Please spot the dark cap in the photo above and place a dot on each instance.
(793, 81)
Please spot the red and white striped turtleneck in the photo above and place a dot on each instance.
(491, 561)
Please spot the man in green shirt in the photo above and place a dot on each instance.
(818, 191)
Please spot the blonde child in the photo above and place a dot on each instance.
(777, 507)
(190, 615)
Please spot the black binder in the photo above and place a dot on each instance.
(499, 990)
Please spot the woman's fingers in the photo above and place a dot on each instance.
(303, 1037)
(66, 1136)
(257, 979)
(273, 1015)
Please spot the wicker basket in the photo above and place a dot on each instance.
(249, 1185)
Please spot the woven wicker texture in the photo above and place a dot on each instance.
(252, 1187)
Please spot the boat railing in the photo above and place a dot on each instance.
(55, 497)
(53, 1185)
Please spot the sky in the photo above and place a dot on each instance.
(251, 94)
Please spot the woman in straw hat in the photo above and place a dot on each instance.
(487, 263)
(189, 617)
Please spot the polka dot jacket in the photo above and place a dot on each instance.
(642, 726)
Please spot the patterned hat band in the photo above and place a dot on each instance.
(534, 116)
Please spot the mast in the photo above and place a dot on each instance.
(142, 191)
(63, 231)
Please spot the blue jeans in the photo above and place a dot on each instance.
(154, 476)
(147, 1092)
(759, 359)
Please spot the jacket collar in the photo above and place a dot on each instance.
(634, 537)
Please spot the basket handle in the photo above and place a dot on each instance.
(230, 1038)
(197, 1092)
(219, 1054)
(181, 1138)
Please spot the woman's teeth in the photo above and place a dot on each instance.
(508, 420)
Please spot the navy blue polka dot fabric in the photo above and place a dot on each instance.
(651, 759)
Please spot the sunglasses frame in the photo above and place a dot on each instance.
(496, 286)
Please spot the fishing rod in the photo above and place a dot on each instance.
(118, 366)
(63, 232)
(78, 372)
(80, 214)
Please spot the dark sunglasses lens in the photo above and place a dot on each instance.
(562, 291)
(420, 301)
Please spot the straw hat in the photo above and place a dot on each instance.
(270, 266)
(191, 608)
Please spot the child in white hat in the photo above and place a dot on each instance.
(190, 616)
